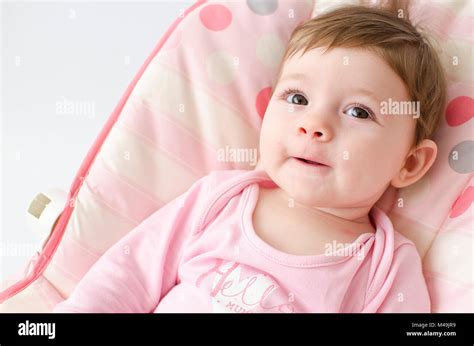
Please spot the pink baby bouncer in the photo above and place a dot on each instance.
(205, 87)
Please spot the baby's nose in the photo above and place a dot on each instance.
(304, 130)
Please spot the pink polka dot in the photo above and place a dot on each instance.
(460, 110)
(215, 17)
(462, 203)
(263, 98)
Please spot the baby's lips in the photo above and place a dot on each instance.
(305, 158)
(313, 159)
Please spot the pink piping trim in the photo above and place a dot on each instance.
(41, 260)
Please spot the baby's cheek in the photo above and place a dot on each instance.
(353, 169)
(268, 134)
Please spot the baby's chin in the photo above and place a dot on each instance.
(303, 193)
(305, 197)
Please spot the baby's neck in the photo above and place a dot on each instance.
(353, 218)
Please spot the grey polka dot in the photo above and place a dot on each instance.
(461, 157)
(263, 7)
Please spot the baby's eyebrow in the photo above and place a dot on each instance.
(303, 77)
(367, 92)
(295, 76)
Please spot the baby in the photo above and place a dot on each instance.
(357, 99)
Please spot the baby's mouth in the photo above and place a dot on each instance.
(309, 161)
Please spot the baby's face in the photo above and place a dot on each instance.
(333, 115)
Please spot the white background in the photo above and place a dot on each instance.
(51, 53)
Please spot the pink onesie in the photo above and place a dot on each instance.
(200, 253)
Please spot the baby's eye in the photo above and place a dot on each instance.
(295, 95)
(359, 112)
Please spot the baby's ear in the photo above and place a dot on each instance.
(418, 161)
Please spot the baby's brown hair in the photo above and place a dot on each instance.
(388, 32)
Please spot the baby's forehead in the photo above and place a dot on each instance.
(343, 56)
(344, 68)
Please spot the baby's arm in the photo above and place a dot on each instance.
(404, 289)
(136, 272)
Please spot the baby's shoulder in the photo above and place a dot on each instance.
(218, 177)
(220, 186)
(218, 180)
(227, 179)
(401, 241)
